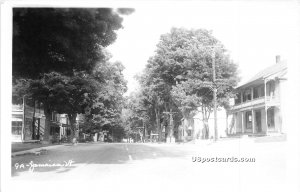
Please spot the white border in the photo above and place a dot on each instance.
(293, 150)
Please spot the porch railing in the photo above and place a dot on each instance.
(257, 101)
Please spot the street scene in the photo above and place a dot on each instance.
(190, 96)
(170, 167)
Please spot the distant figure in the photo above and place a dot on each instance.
(74, 141)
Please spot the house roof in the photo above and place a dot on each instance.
(278, 69)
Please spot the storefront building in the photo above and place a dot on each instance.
(34, 124)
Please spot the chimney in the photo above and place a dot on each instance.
(277, 59)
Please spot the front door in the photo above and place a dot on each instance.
(249, 118)
(258, 121)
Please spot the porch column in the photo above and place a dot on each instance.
(253, 123)
(235, 122)
(280, 118)
(60, 131)
(266, 107)
(227, 130)
(243, 130)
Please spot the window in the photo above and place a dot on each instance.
(189, 132)
(247, 95)
(248, 120)
(16, 127)
(256, 92)
(68, 131)
(55, 117)
(262, 91)
(54, 130)
(237, 99)
(271, 88)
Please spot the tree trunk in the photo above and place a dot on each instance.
(72, 118)
(158, 123)
(205, 131)
(185, 127)
(46, 138)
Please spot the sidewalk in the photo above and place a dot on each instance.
(30, 148)
(37, 148)
(16, 147)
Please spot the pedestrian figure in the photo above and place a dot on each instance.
(74, 141)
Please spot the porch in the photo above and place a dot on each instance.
(255, 121)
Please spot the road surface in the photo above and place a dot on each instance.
(152, 167)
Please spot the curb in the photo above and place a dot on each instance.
(42, 150)
(35, 151)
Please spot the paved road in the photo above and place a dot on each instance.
(153, 167)
(94, 153)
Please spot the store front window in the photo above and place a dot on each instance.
(16, 127)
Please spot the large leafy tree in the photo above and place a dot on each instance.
(105, 113)
(61, 39)
(156, 91)
(136, 114)
(98, 96)
(182, 69)
(63, 94)
(55, 49)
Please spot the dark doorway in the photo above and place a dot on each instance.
(258, 121)
(270, 118)
(249, 119)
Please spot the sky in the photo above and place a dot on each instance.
(252, 32)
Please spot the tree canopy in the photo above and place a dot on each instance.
(107, 106)
(59, 59)
(61, 39)
(178, 75)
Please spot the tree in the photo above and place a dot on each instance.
(156, 93)
(135, 115)
(105, 113)
(181, 70)
(61, 39)
(193, 89)
(63, 94)
(53, 45)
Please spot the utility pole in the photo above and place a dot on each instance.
(215, 95)
(214, 87)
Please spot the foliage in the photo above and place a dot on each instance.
(179, 75)
(106, 108)
(59, 53)
(98, 96)
(194, 85)
(61, 39)
(137, 117)
(19, 89)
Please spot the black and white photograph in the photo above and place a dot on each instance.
(150, 96)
